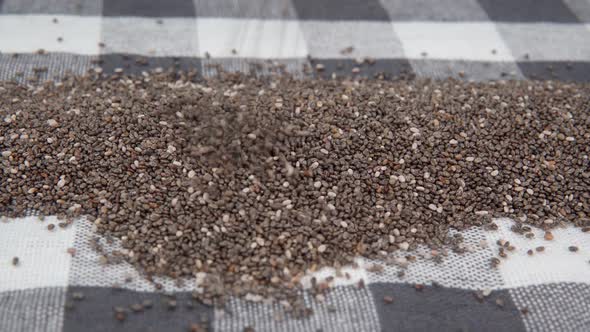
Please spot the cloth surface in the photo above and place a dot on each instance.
(466, 39)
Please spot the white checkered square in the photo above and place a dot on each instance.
(29, 33)
(250, 38)
(555, 264)
(150, 37)
(547, 41)
(327, 40)
(452, 41)
(43, 257)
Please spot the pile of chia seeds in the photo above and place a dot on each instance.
(253, 181)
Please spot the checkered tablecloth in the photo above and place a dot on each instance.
(465, 39)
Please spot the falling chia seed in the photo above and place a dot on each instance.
(147, 304)
(257, 180)
(136, 307)
(171, 304)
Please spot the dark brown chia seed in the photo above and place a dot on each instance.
(548, 236)
(254, 181)
(137, 307)
(194, 327)
(171, 304)
(120, 316)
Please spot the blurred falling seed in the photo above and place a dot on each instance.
(78, 296)
(147, 304)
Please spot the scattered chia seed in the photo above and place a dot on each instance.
(478, 296)
(194, 327)
(15, 261)
(573, 248)
(147, 304)
(136, 307)
(120, 316)
(495, 262)
(255, 181)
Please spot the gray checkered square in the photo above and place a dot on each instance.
(43, 67)
(32, 310)
(554, 307)
(68, 7)
(466, 70)
(149, 8)
(434, 10)
(521, 11)
(344, 309)
(580, 8)
(262, 9)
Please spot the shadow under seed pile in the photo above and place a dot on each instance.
(254, 181)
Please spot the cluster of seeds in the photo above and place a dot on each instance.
(251, 182)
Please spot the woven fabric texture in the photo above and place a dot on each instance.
(466, 39)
